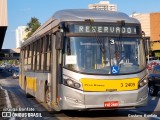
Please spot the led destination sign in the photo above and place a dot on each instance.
(105, 29)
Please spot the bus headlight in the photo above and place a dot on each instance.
(143, 82)
(69, 82)
(77, 85)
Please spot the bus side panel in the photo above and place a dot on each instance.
(21, 76)
(40, 83)
(36, 84)
(29, 83)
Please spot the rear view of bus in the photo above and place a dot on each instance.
(100, 61)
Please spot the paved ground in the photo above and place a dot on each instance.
(3, 92)
(2, 97)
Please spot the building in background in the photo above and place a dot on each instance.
(20, 35)
(145, 22)
(3, 20)
(150, 23)
(103, 5)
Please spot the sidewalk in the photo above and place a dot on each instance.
(2, 98)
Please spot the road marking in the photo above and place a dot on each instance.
(8, 102)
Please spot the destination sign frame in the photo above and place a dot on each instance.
(104, 29)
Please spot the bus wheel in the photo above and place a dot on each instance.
(153, 91)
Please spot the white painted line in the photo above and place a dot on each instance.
(8, 102)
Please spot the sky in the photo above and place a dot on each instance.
(21, 11)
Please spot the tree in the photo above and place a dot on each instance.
(32, 26)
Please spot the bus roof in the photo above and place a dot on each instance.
(80, 15)
(96, 15)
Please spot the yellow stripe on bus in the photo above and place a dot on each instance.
(99, 85)
(31, 83)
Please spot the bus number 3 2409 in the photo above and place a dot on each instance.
(127, 84)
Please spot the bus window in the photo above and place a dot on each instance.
(34, 55)
(48, 53)
(89, 54)
(42, 54)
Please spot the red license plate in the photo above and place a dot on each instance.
(111, 104)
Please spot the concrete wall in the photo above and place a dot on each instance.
(155, 26)
(151, 26)
(3, 13)
(103, 5)
(145, 22)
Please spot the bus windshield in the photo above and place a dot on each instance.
(98, 55)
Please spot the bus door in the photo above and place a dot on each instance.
(55, 68)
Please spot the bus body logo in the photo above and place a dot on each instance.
(6, 114)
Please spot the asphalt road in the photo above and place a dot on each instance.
(11, 96)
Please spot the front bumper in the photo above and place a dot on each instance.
(72, 99)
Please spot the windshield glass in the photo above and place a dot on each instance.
(104, 55)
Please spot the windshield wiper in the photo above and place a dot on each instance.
(100, 42)
(119, 46)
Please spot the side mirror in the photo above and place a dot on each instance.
(59, 41)
(146, 43)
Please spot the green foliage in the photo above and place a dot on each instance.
(2, 62)
(157, 54)
(32, 26)
(10, 62)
